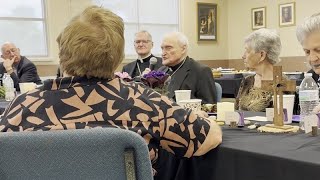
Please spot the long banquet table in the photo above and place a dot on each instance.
(248, 155)
(230, 86)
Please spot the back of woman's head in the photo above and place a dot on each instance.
(267, 40)
(92, 44)
(310, 24)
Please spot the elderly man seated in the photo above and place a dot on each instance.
(18, 67)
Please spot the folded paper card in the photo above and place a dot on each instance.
(182, 95)
(223, 107)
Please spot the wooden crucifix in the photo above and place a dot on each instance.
(278, 85)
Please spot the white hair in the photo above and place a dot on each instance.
(181, 38)
(267, 40)
(310, 24)
(144, 32)
(5, 44)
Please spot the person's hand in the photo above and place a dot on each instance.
(202, 114)
(7, 63)
(146, 71)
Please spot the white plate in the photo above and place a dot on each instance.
(292, 73)
(257, 118)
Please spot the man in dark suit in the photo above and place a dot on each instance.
(185, 72)
(143, 45)
(315, 76)
(18, 67)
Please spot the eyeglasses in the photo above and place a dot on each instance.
(142, 41)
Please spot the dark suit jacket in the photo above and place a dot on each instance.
(195, 77)
(26, 72)
(130, 67)
(315, 76)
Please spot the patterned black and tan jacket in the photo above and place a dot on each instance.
(77, 103)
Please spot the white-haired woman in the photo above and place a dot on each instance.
(262, 50)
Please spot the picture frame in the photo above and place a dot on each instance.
(287, 14)
(207, 21)
(258, 18)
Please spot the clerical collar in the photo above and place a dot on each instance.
(147, 59)
(173, 68)
(177, 68)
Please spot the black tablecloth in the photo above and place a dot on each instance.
(248, 155)
(230, 87)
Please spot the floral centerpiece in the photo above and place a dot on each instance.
(123, 75)
(157, 80)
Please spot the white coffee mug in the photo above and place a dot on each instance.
(288, 103)
(182, 95)
(27, 86)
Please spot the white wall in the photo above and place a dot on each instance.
(234, 23)
(59, 13)
(239, 23)
(205, 50)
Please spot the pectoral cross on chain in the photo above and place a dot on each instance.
(278, 85)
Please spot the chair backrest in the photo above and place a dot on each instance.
(99, 153)
(218, 91)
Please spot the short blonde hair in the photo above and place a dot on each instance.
(92, 44)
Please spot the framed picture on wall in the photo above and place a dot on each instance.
(258, 17)
(207, 21)
(287, 15)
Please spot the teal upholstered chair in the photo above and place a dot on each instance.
(100, 153)
(218, 91)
